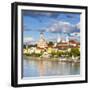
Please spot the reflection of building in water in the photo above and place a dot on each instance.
(42, 42)
(41, 67)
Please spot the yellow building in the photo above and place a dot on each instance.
(49, 50)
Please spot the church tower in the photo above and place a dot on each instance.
(42, 42)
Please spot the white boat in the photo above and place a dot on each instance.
(62, 59)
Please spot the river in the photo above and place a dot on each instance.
(37, 68)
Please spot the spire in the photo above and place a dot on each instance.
(58, 38)
(42, 42)
(41, 35)
(67, 39)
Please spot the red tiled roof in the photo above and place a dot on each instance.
(41, 48)
(73, 42)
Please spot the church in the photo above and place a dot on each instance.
(61, 44)
(42, 43)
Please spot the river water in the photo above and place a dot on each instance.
(37, 68)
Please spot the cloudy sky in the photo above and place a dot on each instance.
(53, 24)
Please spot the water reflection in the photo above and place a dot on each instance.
(37, 68)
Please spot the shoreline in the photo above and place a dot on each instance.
(52, 59)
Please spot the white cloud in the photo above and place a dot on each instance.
(75, 34)
(28, 39)
(78, 25)
(61, 26)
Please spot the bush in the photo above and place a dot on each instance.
(75, 52)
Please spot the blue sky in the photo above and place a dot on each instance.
(53, 24)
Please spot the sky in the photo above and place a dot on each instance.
(54, 25)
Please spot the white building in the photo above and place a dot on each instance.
(42, 42)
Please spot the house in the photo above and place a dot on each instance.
(62, 45)
(74, 44)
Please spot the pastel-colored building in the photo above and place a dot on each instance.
(42, 42)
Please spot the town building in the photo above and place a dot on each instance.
(61, 45)
(42, 44)
(74, 44)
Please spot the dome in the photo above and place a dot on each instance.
(42, 42)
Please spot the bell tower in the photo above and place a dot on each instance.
(42, 42)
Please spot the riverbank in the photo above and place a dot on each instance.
(69, 60)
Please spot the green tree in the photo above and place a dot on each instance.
(75, 52)
(50, 43)
(24, 46)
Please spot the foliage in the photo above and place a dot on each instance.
(50, 43)
(75, 52)
(29, 46)
(36, 54)
(56, 53)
